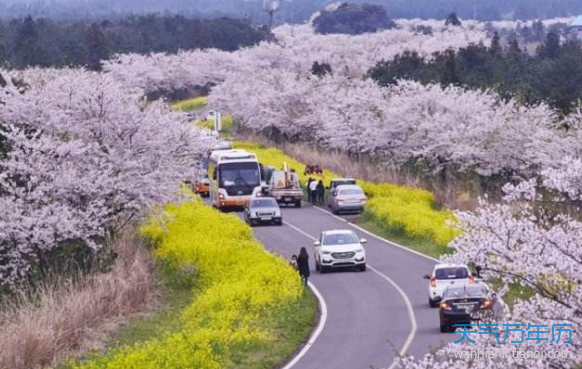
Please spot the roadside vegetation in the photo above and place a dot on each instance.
(409, 214)
(248, 309)
(192, 104)
(64, 318)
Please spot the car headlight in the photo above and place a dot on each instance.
(359, 250)
(326, 252)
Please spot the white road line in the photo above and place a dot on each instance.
(322, 315)
(391, 243)
(316, 333)
(411, 315)
(407, 301)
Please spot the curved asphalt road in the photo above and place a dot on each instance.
(368, 322)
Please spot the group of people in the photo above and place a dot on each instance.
(301, 264)
(315, 191)
(313, 169)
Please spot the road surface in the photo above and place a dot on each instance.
(372, 315)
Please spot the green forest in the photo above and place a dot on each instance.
(45, 42)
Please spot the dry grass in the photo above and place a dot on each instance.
(449, 192)
(67, 319)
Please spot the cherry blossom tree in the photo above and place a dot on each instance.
(539, 251)
(454, 127)
(87, 155)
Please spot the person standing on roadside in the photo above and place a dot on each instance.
(320, 192)
(309, 189)
(303, 265)
(313, 190)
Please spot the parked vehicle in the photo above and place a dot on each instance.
(347, 198)
(462, 304)
(334, 183)
(339, 248)
(202, 187)
(263, 210)
(285, 188)
(446, 275)
(235, 178)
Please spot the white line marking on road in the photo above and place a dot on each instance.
(391, 243)
(316, 333)
(322, 315)
(407, 301)
(411, 315)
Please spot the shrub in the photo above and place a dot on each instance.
(238, 283)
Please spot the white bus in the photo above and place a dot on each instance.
(235, 177)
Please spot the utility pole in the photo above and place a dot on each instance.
(271, 6)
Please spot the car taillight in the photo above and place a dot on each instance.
(364, 199)
(339, 199)
(485, 304)
(471, 279)
(221, 196)
(433, 282)
(445, 306)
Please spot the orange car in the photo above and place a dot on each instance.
(202, 187)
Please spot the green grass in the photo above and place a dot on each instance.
(370, 223)
(289, 328)
(194, 103)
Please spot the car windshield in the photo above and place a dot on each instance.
(263, 203)
(339, 183)
(239, 175)
(339, 239)
(477, 291)
(452, 273)
(351, 191)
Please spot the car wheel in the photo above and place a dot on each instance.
(298, 203)
(362, 268)
(280, 222)
(432, 303)
(323, 269)
(445, 328)
(334, 211)
(317, 267)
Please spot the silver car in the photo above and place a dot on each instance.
(347, 198)
(263, 210)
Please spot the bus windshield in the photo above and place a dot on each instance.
(239, 176)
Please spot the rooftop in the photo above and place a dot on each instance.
(577, 22)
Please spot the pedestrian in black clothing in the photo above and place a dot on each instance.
(303, 265)
(309, 189)
(320, 192)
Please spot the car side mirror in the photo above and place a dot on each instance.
(426, 276)
(363, 240)
(316, 243)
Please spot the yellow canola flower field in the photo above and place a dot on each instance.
(190, 104)
(238, 284)
(401, 209)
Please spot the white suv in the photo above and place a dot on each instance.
(339, 248)
(443, 276)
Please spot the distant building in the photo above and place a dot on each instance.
(576, 27)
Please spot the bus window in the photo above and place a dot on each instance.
(239, 175)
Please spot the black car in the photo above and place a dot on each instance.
(460, 303)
